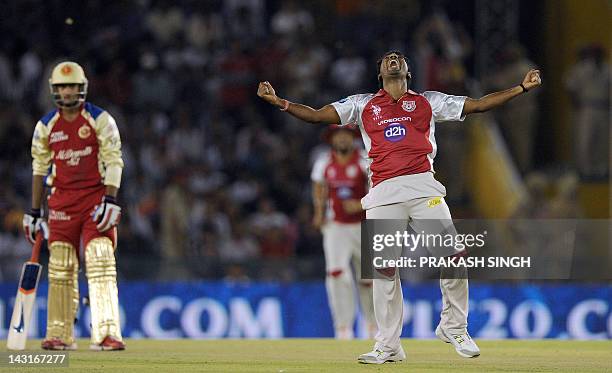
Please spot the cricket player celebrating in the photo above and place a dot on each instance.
(397, 127)
(76, 151)
(339, 179)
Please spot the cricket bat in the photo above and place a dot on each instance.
(24, 302)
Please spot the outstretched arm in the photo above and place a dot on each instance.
(327, 114)
(493, 100)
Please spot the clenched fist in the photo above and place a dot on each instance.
(266, 92)
(532, 79)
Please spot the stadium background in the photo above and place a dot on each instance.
(216, 238)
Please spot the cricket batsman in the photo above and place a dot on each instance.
(76, 151)
(339, 181)
(397, 127)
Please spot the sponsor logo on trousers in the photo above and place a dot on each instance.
(434, 201)
(58, 215)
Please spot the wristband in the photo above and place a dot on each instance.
(110, 199)
(285, 105)
(35, 213)
(525, 90)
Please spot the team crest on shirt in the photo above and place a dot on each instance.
(376, 110)
(84, 131)
(331, 172)
(351, 171)
(409, 106)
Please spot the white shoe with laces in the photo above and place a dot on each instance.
(463, 343)
(378, 356)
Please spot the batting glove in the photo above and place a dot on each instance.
(107, 214)
(32, 223)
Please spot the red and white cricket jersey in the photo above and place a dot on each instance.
(82, 153)
(344, 182)
(399, 140)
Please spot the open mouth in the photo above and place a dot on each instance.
(394, 65)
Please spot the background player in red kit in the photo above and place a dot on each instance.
(76, 150)
(339, 181)
(397, 126)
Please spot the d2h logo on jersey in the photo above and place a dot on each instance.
(344, 193)
(395, 132)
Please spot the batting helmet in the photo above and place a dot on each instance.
(68, 73)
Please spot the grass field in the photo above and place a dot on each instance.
(327, 355)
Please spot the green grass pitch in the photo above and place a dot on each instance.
(328, 355)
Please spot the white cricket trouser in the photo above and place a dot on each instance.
(388, 298)
(342, 246)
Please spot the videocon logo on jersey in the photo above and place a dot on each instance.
(395, 132)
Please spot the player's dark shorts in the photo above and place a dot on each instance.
(70, 216)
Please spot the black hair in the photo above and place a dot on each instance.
(380, 60)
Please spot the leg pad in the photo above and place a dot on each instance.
(103, 293)
(63, 296)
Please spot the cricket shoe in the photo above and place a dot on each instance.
(108, 344)
(378, 356)
(463, 343)
(57, 344)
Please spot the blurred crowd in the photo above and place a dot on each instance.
(216, 180)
